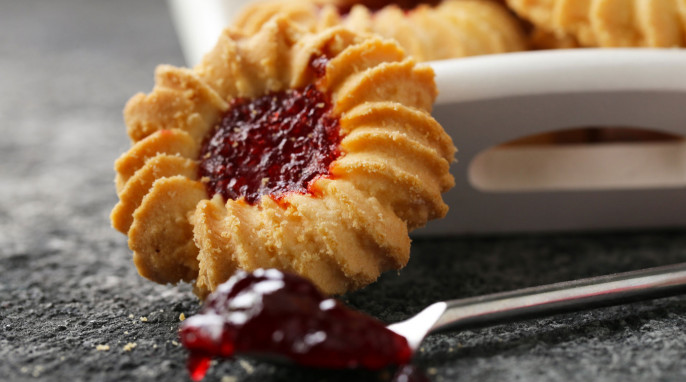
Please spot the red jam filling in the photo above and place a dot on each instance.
(318, 65)
(274, 315)
(376, 5)
(271, 145)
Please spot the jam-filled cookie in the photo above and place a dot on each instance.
(311, 153)
(427, 30)
(609, 23)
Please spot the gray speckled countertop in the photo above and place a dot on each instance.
(67, 282)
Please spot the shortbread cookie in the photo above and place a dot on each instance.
(451, 29)
(311, 153)
(541, 39)
(609, 23)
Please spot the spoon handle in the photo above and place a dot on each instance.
(561, 297)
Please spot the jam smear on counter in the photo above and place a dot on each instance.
(271, 145)
(275, 315)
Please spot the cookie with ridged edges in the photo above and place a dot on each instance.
(426, 30)
(609, 23)
(314, 153)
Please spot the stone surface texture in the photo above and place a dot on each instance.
(72, 304)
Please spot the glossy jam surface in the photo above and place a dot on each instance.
(375, 5)
(271, 145)
(318, 65)
(274, 315)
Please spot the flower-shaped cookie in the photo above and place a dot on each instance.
(446, 29)
(609, 23)
(311, 153)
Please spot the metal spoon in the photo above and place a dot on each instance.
(544, 301)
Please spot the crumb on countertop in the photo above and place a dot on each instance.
(246, 366)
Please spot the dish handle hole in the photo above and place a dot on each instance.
(580, 159)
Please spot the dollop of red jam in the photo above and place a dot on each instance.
(271, 145)
(276, 315)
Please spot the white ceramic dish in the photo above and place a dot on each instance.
(488, 100)
(199, 23)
